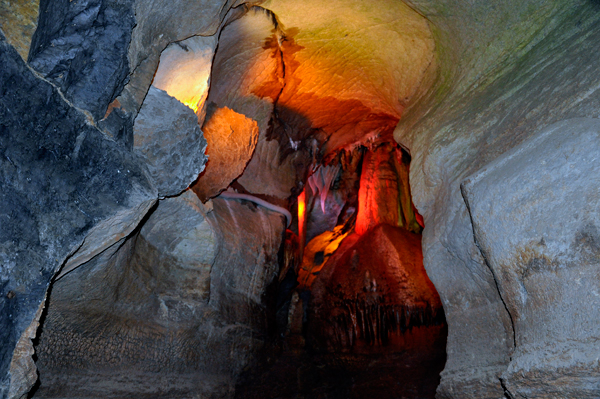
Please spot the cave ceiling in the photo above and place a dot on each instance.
(342, 72)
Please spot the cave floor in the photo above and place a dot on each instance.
(407, 374)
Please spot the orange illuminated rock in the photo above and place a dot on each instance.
(231, 141)
(316, 254)
(372, 288)
(378, 194)
(248, 76)
(350, 68)
(384, 195)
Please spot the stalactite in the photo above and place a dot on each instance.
(373, 321)
(320, 181)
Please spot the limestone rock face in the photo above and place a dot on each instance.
(248, 76)
(179, 308)
(60, 179)
(342, 76)
(535, 217)
(158, 24)
(231, 141)
(184, 244)
(245, 265)
(491, 92)
(169, 140)
(82, 48)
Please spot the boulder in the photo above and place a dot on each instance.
(168, 139)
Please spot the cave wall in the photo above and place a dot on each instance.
(513, 70)
(178, 308)
(492, 85)
(62, 180)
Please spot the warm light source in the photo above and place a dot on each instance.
(184, 70)
(302, 221)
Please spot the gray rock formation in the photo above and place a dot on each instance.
(500, 81)
(535, 217)
(168, 139)
(182, 302)
(61, 180)
(82, 48)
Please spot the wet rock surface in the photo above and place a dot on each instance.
(61, 177)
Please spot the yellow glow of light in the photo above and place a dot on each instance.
(184, 71)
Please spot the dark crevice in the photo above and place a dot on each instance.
(512, 322)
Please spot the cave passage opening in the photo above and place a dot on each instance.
(356, 314)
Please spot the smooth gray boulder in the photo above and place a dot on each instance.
(535, 213)
(167, 137)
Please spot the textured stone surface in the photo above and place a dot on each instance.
(82, 48)
(178, 309)
(23, 372)
(373, 288)
(515, 69)
(60, 177)
(169, 140)
(18, 20)
(350, 69)
(185, 245)
(231, 141)
(535, 216)
(248, 76)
